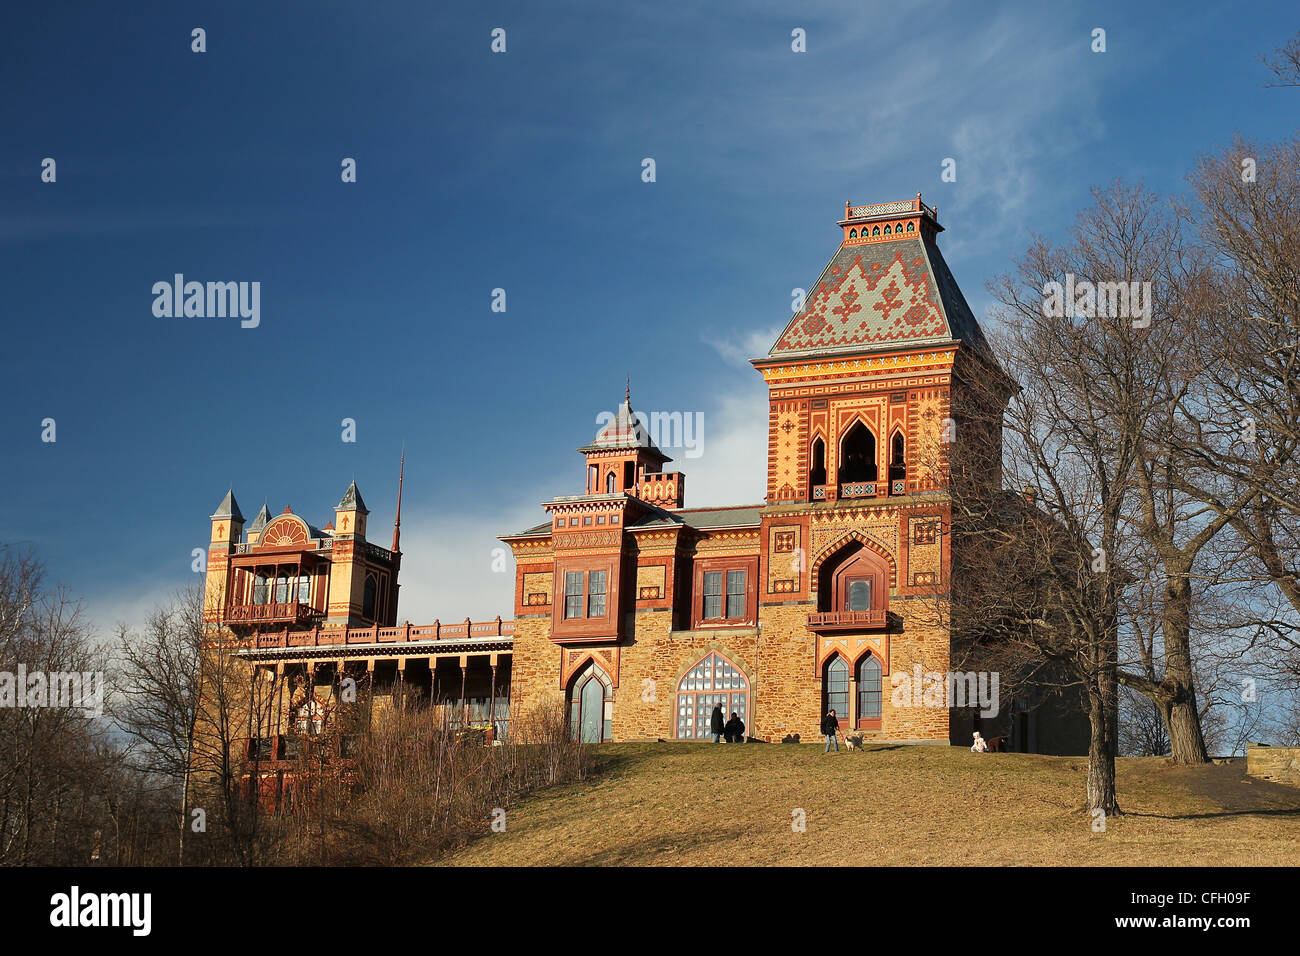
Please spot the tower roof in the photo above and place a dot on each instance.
(351, 501)
(624, 431)
(261, 520)
(886, 286)
(229, 508)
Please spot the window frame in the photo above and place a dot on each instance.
(749, 603)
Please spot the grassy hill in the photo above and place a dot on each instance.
(681, 804)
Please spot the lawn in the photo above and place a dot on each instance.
(677, 804)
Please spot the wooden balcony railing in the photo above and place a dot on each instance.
(847, 620)
(401, 634)
(294, 612)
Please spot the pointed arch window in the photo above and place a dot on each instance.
(713, 682)
(897, 457)
(857, 454)
(835, 695)
(853, 234)
(817, 455)
(869, 694)
(609, 483)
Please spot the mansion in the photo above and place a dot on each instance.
(641, 614)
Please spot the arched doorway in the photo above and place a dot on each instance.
(713, 681)
(591, 704)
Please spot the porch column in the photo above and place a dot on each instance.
(492, 701)
(464, 676)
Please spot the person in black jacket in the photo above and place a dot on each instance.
(734, 729)
(716, 724)
(831, 728)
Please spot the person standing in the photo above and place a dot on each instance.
(716, 723)
(831, 728)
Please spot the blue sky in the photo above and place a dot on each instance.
(520, 171)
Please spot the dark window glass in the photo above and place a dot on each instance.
(735, 594)
(869, 688)
(712, 595)
(860, 594)
(837, 688)
(368, 600)
(573, 594)
(596, 594)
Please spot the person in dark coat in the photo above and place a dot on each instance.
(716, 724)
(831, 728)
(734, 729)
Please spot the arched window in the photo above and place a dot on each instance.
(591, 705)
(911, 227)
(857, 454)
(856, 578)
(817, 474)
(853, 234)
(609, 483)
(869, 691)
(836, 693)
(713, 682)
(369, 597)
(898, 227)
(886, 230)
(876, 231)
(897, 457)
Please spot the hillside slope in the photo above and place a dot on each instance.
(700, 804)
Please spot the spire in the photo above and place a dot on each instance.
(262, 520)
(397, 523)
(351, 500)
(229, 508)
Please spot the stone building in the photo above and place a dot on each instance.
(641, 614)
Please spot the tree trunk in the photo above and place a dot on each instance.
(1186, 740)
(1101, 756)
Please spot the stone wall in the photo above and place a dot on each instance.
(1280, 764)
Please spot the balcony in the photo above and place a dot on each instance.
(847, 620)
(295, 612)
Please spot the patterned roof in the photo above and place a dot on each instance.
(624, 431)
(881, 295)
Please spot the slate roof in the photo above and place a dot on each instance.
(229, 508)
(702, 519)
(881, 295)
(352, 501)
(262, 520)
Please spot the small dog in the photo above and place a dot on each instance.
(854, 743)
(997, 745)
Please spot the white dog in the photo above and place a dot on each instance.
(980, 745)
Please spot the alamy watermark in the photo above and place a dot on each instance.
(924, 688)
(1084, 299)
(53, 689)
(212, 300)
(684, 430)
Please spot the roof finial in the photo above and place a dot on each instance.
(627, 393)
(397, 522)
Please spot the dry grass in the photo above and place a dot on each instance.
(700, 804)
